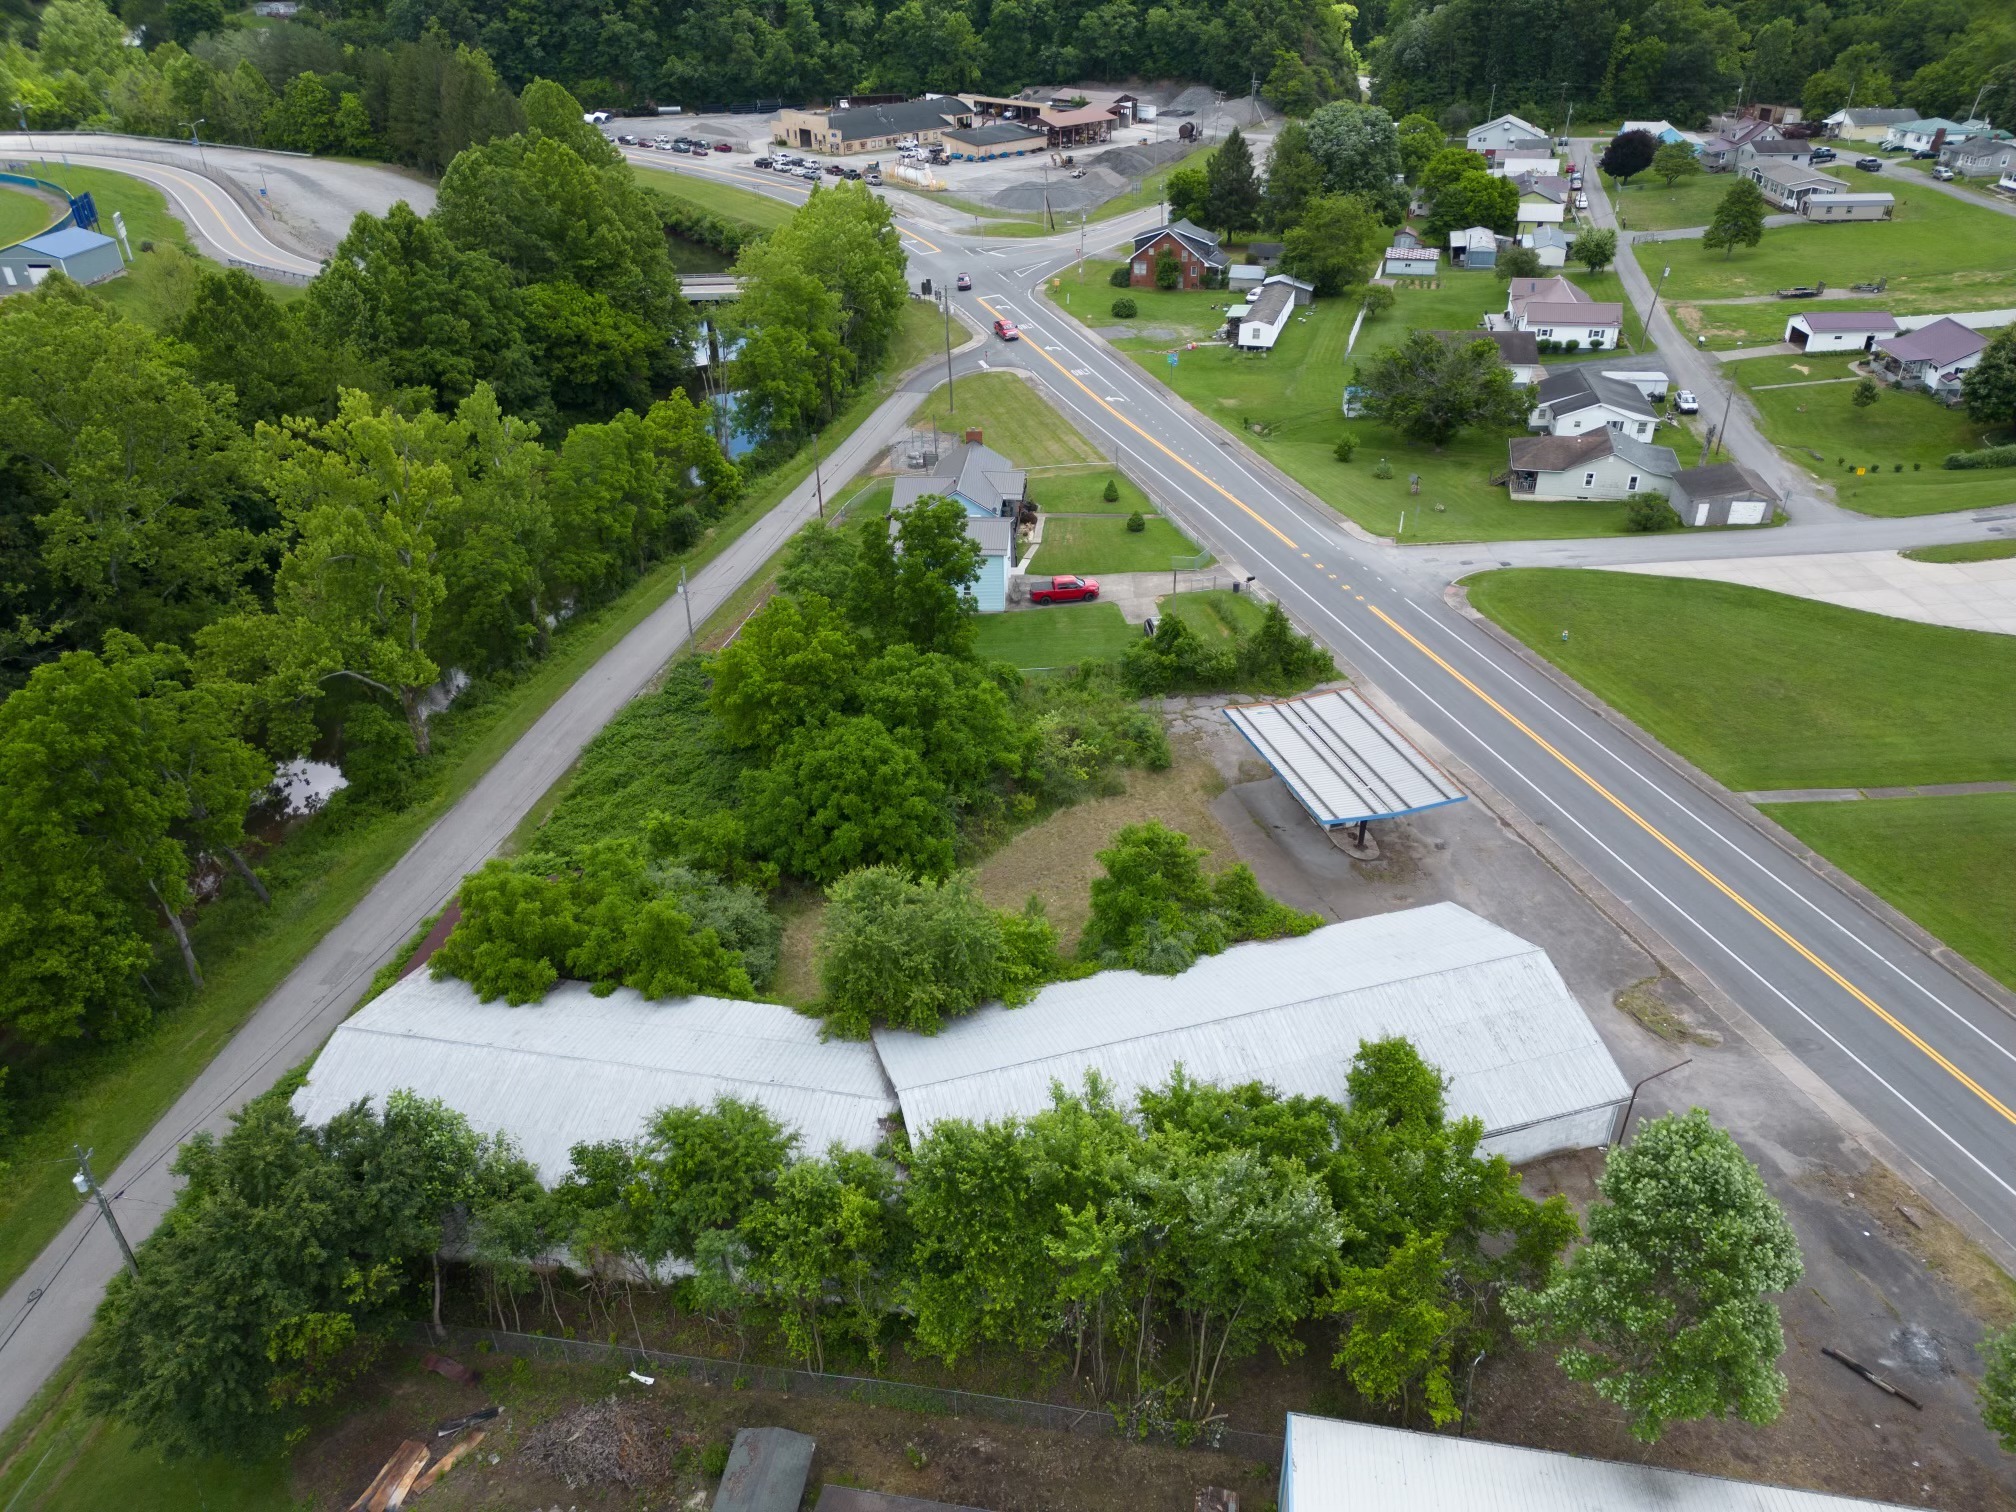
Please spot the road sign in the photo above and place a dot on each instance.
(1172, 359)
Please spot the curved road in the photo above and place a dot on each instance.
(1896, 1045)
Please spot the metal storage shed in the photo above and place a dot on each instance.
(576, 1068)
(87, 257)
(1334, 1466)
(1484, 1006)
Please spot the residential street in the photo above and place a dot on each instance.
(1880, 1032)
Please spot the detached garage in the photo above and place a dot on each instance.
(1726, 493)
(85, 257)
(1839, 330)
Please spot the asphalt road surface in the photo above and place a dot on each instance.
(1867, 1017)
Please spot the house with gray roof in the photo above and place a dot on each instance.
(872, 128)
(1933, 358)
(1864, 123)
(1579, 400)
(1598, 464)
(991, 489)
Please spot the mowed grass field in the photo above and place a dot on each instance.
(1765, 691)
(1901, 430)
(23, 215)
(1015, 419)
(1055, 636)
(1646, 204)
(1937, 253)
(1287, 405)
(716, 198)
(1944, 862)
(1103, 543)
(1750, 325)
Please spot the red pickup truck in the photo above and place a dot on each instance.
(1064, 590)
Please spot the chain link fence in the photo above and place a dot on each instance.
(905, 1396)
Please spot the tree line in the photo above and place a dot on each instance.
(269, 530)
(1461, 60)
(1151, 1248)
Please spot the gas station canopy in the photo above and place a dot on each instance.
(1342, 760)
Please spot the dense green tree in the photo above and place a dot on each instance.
(238, 335)
(1476, 199)
(1359, 149)
(1336, 243)
(1155, 910)
(794, 664)
(951, 711)
(1188, 191)
(1231, 194)
(1516, 261)
(1738, 220)
(831, 1230)
(1989, 387)
(1293, 175)
(1666, 1311)
(1629, 154)
(1421, 139)
(1594, 248)
(1447, 165)
(1675, 161)
(702, 1169)
(846, 794)
(1428, 389)
(913, 582)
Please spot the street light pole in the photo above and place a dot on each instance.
(87, 1186)
(1656, 289)
(951, 394)
(196, 137)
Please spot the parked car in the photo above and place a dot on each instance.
(1007, 330)
(1077, 173)
(626, 141)
(1574, 181)
(1869, 164)
(852, 175)
(965, 282)
(1581, 202)
(1823, 155)
(808, 173)
(1686, 403)
(1063, 590)
(835, 169)
(874, 180)
(762, 162)
(1944, 175)
(1925, 152)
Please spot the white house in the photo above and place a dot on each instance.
(1933, 131)
(1502, 132)
(1785, 151)
(1864, 124)
(1857, 205)
(991, 489)
(1933, 358)
(1572, 403)
(1518, 352)
(1517, 160)
(1598, 464)
(1266, 316)
(1535, 211)
(1839, 330)
(1553, 309)
(1548, 243)
(1786, 186)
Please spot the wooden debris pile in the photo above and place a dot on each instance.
(607, 1443)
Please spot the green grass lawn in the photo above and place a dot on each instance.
(1766, 691)
(1901, 429)
(1940, 252)
(1082, 490)
(145, 208)
(1103, 543)
(1943, 862)
(1646, 204)
(109, 1102)
(1057, 635)
(1217, 614)
(715, 197)
(1015, 419)
(1965, 551)
(23, 215)
(1286, 406)
(1749, 325)
(1181, 314)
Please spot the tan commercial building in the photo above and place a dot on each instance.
(871, 128)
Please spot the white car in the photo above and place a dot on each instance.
(1581, 202)
(1686, 403)
(1944, 175)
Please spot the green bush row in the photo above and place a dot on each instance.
(1987, 456)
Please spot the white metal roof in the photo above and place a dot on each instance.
(576, 1068)
(1334, 1466)
(1341, 759)
(1484, 1006)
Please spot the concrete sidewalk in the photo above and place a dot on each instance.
(1964, 595)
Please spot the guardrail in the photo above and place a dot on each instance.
(28, 180)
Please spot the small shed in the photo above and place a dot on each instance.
(1839, 330)
(85, 257)
(1246, 276)
(1411, 262)
(767, 1471)
(1726, 493)
(1476, 247)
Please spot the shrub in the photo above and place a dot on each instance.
(1277, 658)
(1987, 456)
(1646, 513)
(1898, 468)
(714, 1459)
(1175, 659)
(1124, 309)
(1121, 276)
(1347, 446)
(1168, 271)
(1574, 343)
(1112, 493)
(1383, 470)
(1135, 524)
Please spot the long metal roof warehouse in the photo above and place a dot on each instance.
(1484, 1006)
(1334, 1466)
(1342, 761)
(576, 1068)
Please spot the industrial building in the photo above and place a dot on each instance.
(576, 1068)
(1485, 1007)
(872, 128)
(85, 257)
(1328, 1465)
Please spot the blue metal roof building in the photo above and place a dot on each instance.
(86, 257)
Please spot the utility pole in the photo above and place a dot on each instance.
(1722, 431)
(1568, 129)
(87, 1186)
(951, 394)
(1649, 337)
(1974, 110)
(818, 491)
(686, 599)
(22, 111)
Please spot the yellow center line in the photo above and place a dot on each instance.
(1210, 483)
(1704, 873)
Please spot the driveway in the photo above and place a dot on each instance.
(1965, 595)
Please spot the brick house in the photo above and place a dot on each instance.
(1196, 251)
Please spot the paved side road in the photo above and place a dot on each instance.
(38, 1332)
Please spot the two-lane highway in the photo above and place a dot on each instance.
(1916, 1051)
